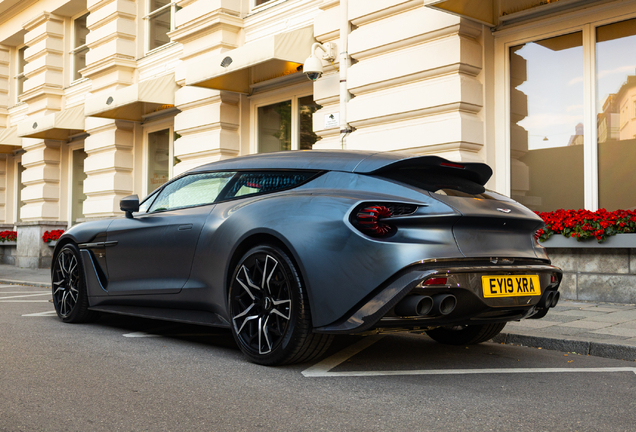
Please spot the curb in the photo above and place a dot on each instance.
(19, 282)
(597, 349)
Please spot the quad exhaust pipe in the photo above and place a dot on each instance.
(420, 305)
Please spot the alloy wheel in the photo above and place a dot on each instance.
(66, 278)
(261, 303)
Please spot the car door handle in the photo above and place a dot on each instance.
(185, 227)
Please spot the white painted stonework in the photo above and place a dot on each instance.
(422, 81)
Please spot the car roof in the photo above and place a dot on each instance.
(363, 162)
(323, 160)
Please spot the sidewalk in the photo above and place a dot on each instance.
(598, 329)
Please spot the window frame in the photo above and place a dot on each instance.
(293, 93)
(76, 49)
(147, 130)
(19, 74)
(585, 21)
(172, 6)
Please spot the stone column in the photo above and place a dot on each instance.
(5, 83)
(3, 188)
(209, 121)
(43, 94)
(108, 166)
(110, 64)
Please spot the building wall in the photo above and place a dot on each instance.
(422, 81)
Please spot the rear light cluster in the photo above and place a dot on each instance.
(374, 219)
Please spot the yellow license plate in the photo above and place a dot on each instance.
(511, 286)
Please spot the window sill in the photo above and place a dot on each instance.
(616, 241)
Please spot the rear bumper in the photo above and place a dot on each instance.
(464, 282)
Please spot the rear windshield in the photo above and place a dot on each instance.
(442, 181)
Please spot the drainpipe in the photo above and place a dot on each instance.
(345, 62)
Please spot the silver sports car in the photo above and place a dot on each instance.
(287, 249)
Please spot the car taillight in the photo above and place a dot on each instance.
(374, 218)
(435, 281)
(369, 220)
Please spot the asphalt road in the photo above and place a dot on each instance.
(135, 375)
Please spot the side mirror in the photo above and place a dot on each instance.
(129, 204)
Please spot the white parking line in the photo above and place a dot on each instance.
(26, 295)
(41, 314)
(24, 301)
(32, 292)
(321, 369)
(141, 335)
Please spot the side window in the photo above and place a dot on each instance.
(145, 205)
(259, 183)
(190, 191)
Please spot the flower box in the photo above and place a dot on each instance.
(52, 243)
(9, 243)
(615, 241)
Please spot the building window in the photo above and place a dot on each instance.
(78, 176)
(78, 54)
(19, 188)
(286, 125)
(159, 21)
(569, 100)
(159, 158)
(546, 123)
(616, 137)
(19, 76)
(260, 2)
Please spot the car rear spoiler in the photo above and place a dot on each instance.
(474, 171)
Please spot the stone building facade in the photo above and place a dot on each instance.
(100, 99)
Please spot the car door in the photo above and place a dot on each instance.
(152, 252)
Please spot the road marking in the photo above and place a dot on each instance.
(26, 295)
(41, 314)
(321, 369)
(22, 292)
(24, 301)
(142, 335)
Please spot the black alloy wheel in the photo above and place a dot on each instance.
(269, 309)
(465, 334)
(69, 288)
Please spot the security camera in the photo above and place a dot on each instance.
(313, 65)
(312, 68)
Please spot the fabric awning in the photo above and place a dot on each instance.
(268, 58)
(57, 126)
(9, 140)
(482, 11)
(134, 101)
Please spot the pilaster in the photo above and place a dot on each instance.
(44, 64)
(3, 188)
(110, 62)
(5, 60)
(207, 27)
(108, 166)
(208, 124)
(41, 179)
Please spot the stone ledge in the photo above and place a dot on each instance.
(616, 241)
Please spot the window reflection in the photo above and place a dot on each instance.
(274, 127)
(158, 158)
(546, 116)
(306, 109)
(616, 114)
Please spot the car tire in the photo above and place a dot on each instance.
(69, 287)
(465, 335)
(269, 310)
